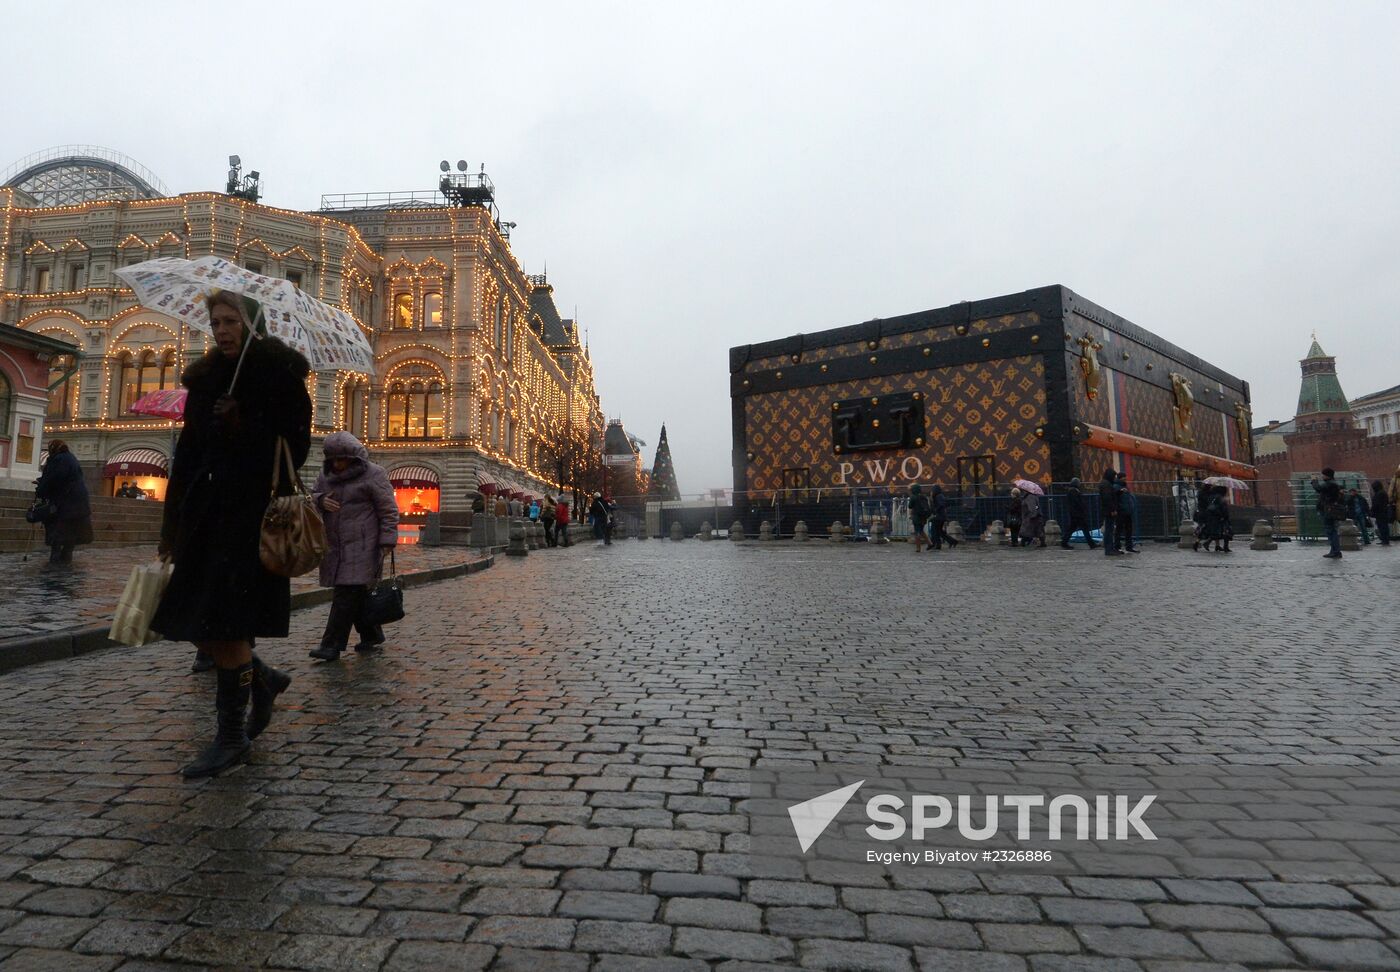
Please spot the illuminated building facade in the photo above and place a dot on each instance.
(479, 383)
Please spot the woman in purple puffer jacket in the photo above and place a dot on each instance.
(357, 501)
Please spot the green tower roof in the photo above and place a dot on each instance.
(1321, 392)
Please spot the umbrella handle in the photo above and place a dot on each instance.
(252, 336)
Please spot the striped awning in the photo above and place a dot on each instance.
(486, 485)
(136, 462)
(413, 477)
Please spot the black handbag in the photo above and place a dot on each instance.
(40, 511)
(385, 603)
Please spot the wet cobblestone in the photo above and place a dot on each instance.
(550, 765)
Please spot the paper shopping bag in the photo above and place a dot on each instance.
(131, 625)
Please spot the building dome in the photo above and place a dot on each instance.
(67, 175)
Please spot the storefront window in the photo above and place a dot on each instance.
(60, 396)
(128, 383)
(403, 311)
(416, 406)
(432, 309)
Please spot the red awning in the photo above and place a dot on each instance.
(136, 462)
(486, 485)
(413, 477)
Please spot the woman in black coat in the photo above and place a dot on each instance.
(219, 596)
(61, 484)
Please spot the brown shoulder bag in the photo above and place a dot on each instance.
(293, 537)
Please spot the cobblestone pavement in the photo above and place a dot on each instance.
(552, 766)
(38, 599)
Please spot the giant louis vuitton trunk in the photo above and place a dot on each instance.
(1042, 385)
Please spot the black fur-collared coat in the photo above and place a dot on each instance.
(220, 484)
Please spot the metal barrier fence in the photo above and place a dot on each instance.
(1161, 508)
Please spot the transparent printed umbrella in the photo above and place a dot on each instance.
(328, 336)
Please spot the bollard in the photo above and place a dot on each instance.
(736, 532)
(877, 532)
(707, 532)
(642, 532)
(765, 531)
(677, 533)
(540, 537)
(1187, 531)
(996, 533)
(799, 532)
(1054, 536)
(838, 532)
(1350, 535)
(1263, 536)
(528, 532)
(517, 546)
(955, 530)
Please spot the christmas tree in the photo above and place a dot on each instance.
(663, 473)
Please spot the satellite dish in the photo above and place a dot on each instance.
(461, 165)
(444, 166)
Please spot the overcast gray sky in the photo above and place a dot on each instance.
(704, 175)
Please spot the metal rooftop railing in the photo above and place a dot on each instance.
(414, 199)
(79, 152)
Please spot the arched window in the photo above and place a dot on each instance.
(432, 309)
(61, 391)
(7, 396)
(415, 404)
(150, 374)
(127, 383)
(354, 398)
(510, 334)
(168, 376)
(498, 306)
(403, 311)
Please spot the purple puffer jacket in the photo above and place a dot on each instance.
(368, 517)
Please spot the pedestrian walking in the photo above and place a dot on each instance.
(1013, 517)
(600, 515)
(1332, 506)
(548, 514)
(219, 595)
(1127, 517)
(362, 522)
(938, 522)
(1382, 512)
(1360, 513)
(919, 511)
(1032, 520)
(1203, 494)
(561, 523)
(68, 523)
(1218, 529)
(1108, 510)
(534, 511)
(1078, 515)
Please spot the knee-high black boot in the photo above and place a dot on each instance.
(268, 683)
(230, 743)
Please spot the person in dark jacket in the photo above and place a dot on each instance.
(919, 511)
(362, 522)
(1332, 506)
(224, 470)
(549, 510)
(1124, 535)
(1203, 493)
(938, 522)
(600, 512)
(1360, 511)
(561, 522)
(1032, 520)
(1218, 529)
(61, 484)
(1380, 509)
(1013, 517)
(1078, 515)
(1108, 508)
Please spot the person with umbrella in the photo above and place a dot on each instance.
(1032, 517)
(1078, 515)
(220, 597)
